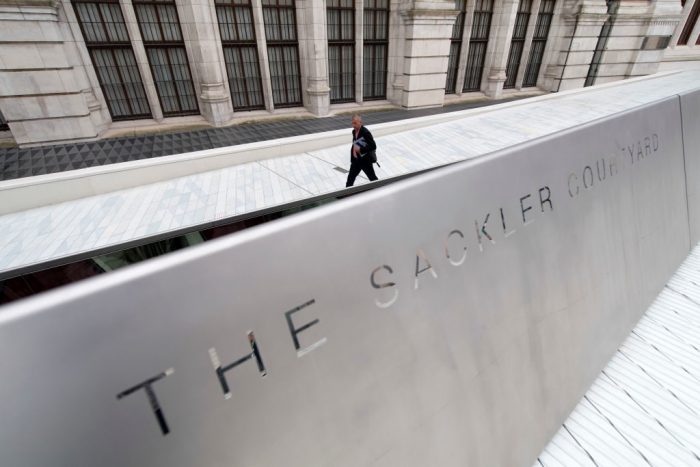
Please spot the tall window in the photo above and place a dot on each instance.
(240, 53)
(3, 123)
(376, 49)
(282, 51)
(455, 48)
(108, 43)
(477, 44)
(162, 37)
(539, 40)
(340, 15)
(517, 43)
(690, 24)
(602, 42)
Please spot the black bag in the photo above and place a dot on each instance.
(373, 157)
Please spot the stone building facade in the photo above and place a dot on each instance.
(72, 70)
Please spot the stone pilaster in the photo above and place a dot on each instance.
(499, 46)
(200, 30)
(41, 93)
(575, 42)
(428, 27)
(397, 36)
(646, 29)
(313, 45)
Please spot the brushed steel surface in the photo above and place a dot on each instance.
(690, 109)
(476, 361)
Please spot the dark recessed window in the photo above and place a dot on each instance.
(455, 48)
(107, 41)
(165, 47)
(240, 53)
(539, 41)
(478, 42)
(282, 51)
(376, 49)
(340, 20)
(517, 43)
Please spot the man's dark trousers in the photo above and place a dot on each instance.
(357, 164)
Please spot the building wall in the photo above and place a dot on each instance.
(51, 92)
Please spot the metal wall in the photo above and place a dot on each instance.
(690, 115)
(448, 320)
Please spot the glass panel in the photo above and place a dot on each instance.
(240, 54)
(340, 15)
(517, 43)
(108, 43)
(455, 48)
(539, 40)
(689, 24)
(244, 77)
(376, 44)
(165, 49)
(3, 123)
(282, 47)
(477, 45)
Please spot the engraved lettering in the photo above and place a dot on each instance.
(524, 209)
(296, 331)
(447, 249)
(147, 386)
(547, 200)
(221, 371)
(482, 231)
(587, 170)
(419, 271)
(575, 178)
(383, 286)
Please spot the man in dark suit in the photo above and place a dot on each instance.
(362, 144)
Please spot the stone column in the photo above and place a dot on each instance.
(313, 50)
(428, 27)
(575, 42)
(397, 35)
(200, 30)
(41, 93)
(359, 50)
(141, 59)
(504, 17)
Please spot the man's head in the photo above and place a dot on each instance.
(356, 121)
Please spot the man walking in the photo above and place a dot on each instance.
(362, 144)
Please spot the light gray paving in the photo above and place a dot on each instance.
(74, 227)
(644, 408)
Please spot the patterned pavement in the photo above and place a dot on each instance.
(18, 163)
